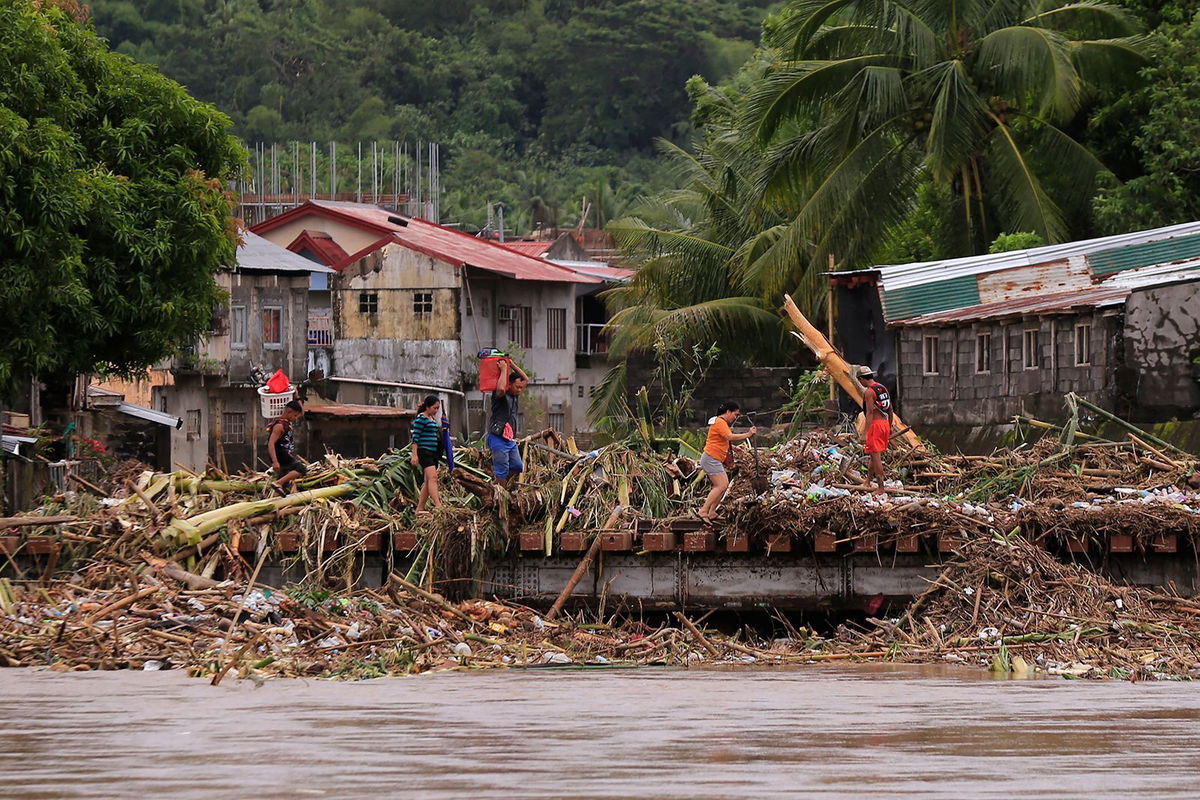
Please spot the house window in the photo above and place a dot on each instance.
(1083, 345)
(1030, 349)
(422, 303)
(929, 358)
(983, 353)
(580, 388)
(368, 302)
(233, 427)
(192, 421)
(469, 305)
(237, 326)
(272, 326)
(556, 329)
(520, 326)
(557, 420)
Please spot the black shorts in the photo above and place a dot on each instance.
(429, 458)
(290, 466)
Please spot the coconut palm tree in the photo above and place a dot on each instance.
(871, 98)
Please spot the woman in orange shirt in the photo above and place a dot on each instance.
(716, 449)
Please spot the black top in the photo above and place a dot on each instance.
(504, 412)
(883, 400)
(285, 445)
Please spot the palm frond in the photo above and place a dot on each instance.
(1111, 63)
(1025, 61)
(959, 122)
(800, 87)
(1020, 192)
(1090, 18)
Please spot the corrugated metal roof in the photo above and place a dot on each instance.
(141, 412)
(535, 249)
(446, 244)
(596, 269)
(12, 444)
(1058, 302)
(925, 287)
(1164, 251)
(1156, 274)
(348, 410)
(913, 301)
(256, 253)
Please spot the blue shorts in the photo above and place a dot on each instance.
(506, 457)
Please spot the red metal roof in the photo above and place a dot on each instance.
(535, 249)
(320, 244)
(436, 241)
(1055, 303)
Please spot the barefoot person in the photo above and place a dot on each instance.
(427, 450)
(877, 407)
(281, 446)
(716, 450)
(502, 429)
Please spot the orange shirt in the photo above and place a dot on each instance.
(717, 444)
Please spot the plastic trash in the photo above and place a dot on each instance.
(556, 658)
(152, 666)
(355, 632)
(462, 649)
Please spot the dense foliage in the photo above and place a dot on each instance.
(536, 102)
(869, 131)
(113, 211)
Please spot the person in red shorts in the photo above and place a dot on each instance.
(877, 406)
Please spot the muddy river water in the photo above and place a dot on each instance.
(853, 732)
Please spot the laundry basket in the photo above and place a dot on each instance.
(273, 403)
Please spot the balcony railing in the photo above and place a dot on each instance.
(590, 339)
(320, 331)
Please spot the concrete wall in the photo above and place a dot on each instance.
(959, 395)
(396, 344)
(349, 238)
(256, 293)
(189, 447)
(1162, 342)
(553, 372)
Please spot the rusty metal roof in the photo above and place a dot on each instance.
(922, 288)
(436, 241)
(1055, 303)
(352, 410)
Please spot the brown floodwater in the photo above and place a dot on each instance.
(852, 732)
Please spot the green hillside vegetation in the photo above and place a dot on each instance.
(535, 102)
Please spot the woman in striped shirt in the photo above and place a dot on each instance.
(427, 450)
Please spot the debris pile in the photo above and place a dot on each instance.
(112, 617)
(1006, 603)
(163, 569)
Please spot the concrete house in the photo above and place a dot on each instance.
(262, 328)
(976, 341)
(591, 315)
(414, 302)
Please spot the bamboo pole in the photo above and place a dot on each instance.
(1128, 426)
(584, 564)
(836, 366)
